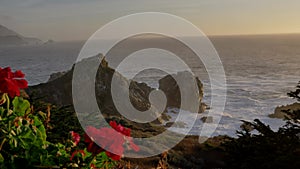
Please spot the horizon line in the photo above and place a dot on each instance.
(209, 35)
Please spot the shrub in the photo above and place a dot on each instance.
(268, 148)
(23, 135)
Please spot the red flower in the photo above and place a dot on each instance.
(77, 152)
(126, 132)
(120, 128)
(92, 147)
(93, 166)
(12, 82)
(75, 137)
(109, 139)
(132, 145)
(105, 137)
(113, 156)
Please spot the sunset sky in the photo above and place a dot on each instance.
(79, 19)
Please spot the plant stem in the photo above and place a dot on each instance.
(4, 140)
(7, 103)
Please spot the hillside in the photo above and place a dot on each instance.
(11, 38)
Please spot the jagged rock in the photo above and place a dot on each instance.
(54, 76)
(58, 90)
(172, 91)
(203, 107)
(279, 111)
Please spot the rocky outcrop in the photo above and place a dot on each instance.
(54, 76)
(280, 112)
(58, 90)
(171, 88)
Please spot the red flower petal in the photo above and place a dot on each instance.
(75, 137)
(113, 156)
(93, 166)
(134, 146)
(19, 74)
(117, 149)
(127, 132)
(77, 152)
(91, 146)
(22, 84)
(119, 128)
(11, 83)
(111, 139)
(8, 86)
(113, 124)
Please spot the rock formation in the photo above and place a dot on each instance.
(58, 90)
(280, 111)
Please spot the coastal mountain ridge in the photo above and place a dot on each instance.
(9, 37)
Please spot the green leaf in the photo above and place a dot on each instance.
(20, 106)
(1, 158)
(41, 131)
(2, 112)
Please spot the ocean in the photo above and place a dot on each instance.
(260, 70)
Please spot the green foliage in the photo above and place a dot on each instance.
(20, 106)
(295, 94)
(22, 136)
(23, 132)
(63, 120)
(103, 161)
(267, 149)
(23, 141)
(294, 115)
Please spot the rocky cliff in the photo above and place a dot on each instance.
(58, 90)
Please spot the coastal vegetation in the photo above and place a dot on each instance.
(37, 134)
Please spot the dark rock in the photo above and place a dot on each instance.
(170, 87)
(203, 107)
(208, 119)
(54, 76)
(280, 111)
(58, 90)
(178, 124)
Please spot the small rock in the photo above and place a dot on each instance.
(208, 119)
(279, 111)
(178, 124)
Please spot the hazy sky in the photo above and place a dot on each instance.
(79, 19)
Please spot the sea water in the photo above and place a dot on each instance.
(259, 70)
